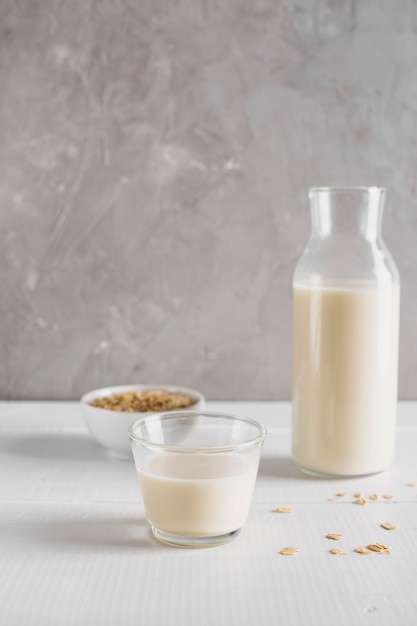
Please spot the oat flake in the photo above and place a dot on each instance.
(289, 551)
(334, 536)
(360, 501)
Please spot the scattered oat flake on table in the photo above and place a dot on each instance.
(360, 501)
(389, 526)
(357, 495)
(336, 551)
(283, 509)
(381, 548)
(387, 496)
(413, 483)
(288, 551)
(373, 496)
(361, 550)
(338, 496)
(334, 536)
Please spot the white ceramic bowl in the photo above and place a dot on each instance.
(109, 428)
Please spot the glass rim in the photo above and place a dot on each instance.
(167, 415)
(349, 188)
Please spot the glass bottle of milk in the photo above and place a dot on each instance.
(345, 345)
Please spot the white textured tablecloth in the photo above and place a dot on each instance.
(75, 548)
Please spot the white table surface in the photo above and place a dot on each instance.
(75, 548)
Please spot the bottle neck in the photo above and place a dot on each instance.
(347, 211)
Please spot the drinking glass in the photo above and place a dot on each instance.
(197, 472)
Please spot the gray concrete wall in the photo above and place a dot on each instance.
(155, 159)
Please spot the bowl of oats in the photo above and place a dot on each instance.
(108, 412)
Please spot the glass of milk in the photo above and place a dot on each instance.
(197, 472)
(346, 297)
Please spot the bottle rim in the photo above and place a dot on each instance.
(337, 189)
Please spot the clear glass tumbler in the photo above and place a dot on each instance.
(197, 471)
(346, 299)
